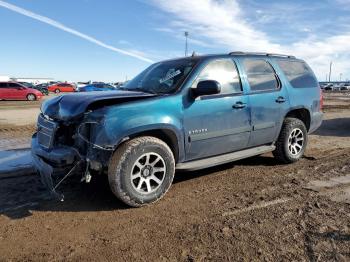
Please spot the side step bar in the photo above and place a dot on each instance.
(223, 159)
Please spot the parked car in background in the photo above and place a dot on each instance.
(17, 91)
(61, 87)
(37, 87)
(345, 87)
(322, 86)
(43, 85)
(96, 87)
(117, 84)
(329, 87)
(336, 87)
(81, 84)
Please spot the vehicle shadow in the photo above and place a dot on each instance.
(339, 127)
(21, 195)
(313, 242)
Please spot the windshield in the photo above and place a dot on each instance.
(163, 77)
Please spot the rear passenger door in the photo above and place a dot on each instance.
(4, 91)
(268, 100)
(217, 124)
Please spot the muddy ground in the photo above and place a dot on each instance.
(254, 209)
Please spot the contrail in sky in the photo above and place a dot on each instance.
(58, 25)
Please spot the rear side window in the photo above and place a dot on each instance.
(260, 74)
(225, 72)
(14, 85)
(298, 73)
(3, 85)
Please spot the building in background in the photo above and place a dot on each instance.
(33, 80)
(4, 78)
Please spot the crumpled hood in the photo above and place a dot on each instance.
(72, 106)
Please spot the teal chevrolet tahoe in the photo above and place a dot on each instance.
(181, 114)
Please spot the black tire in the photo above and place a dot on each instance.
(123, 163)
(31, 97)
(57, 91)
(283, 152)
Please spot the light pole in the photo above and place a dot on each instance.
(330, 71)
(186, 44)
(340, 75)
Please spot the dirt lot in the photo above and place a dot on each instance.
(255, 209)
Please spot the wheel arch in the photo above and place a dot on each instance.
(167, 135)
(301, 113)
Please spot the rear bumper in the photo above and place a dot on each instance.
(51, 163)
(316, 121)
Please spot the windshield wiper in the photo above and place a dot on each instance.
(146, 91)
(138, 89)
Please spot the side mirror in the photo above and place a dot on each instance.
(207, 87)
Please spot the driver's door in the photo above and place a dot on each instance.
(217, 124)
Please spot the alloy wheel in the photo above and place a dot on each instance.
(148, 173)
(31, 97)
(295, 141)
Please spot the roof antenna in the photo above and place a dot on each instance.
(193, 54)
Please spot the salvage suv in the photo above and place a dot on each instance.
(182, 114)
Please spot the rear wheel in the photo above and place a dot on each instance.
(57, 91)
(292, 141)
(141, 171)
(31, 97)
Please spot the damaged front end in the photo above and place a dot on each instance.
(63, 148)
(71, 135)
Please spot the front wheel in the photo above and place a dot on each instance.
(292, 141)
(141, 171)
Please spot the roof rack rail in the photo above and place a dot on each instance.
(262, 54)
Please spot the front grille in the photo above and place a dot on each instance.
(46, 131)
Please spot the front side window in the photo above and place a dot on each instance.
(223, 71)
(298, 73)
(163, 77)
(260, 75)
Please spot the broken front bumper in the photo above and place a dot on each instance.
(54, 163)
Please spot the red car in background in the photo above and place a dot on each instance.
(16, 91)
(61, 87)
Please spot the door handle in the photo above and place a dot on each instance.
(239, 105)
(280, 99)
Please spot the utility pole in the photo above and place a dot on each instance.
(330, 71)
(186, 44)
(340, 75)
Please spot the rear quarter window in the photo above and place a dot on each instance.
(260, 75)
(298, 73)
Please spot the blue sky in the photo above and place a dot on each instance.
(110, 40)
